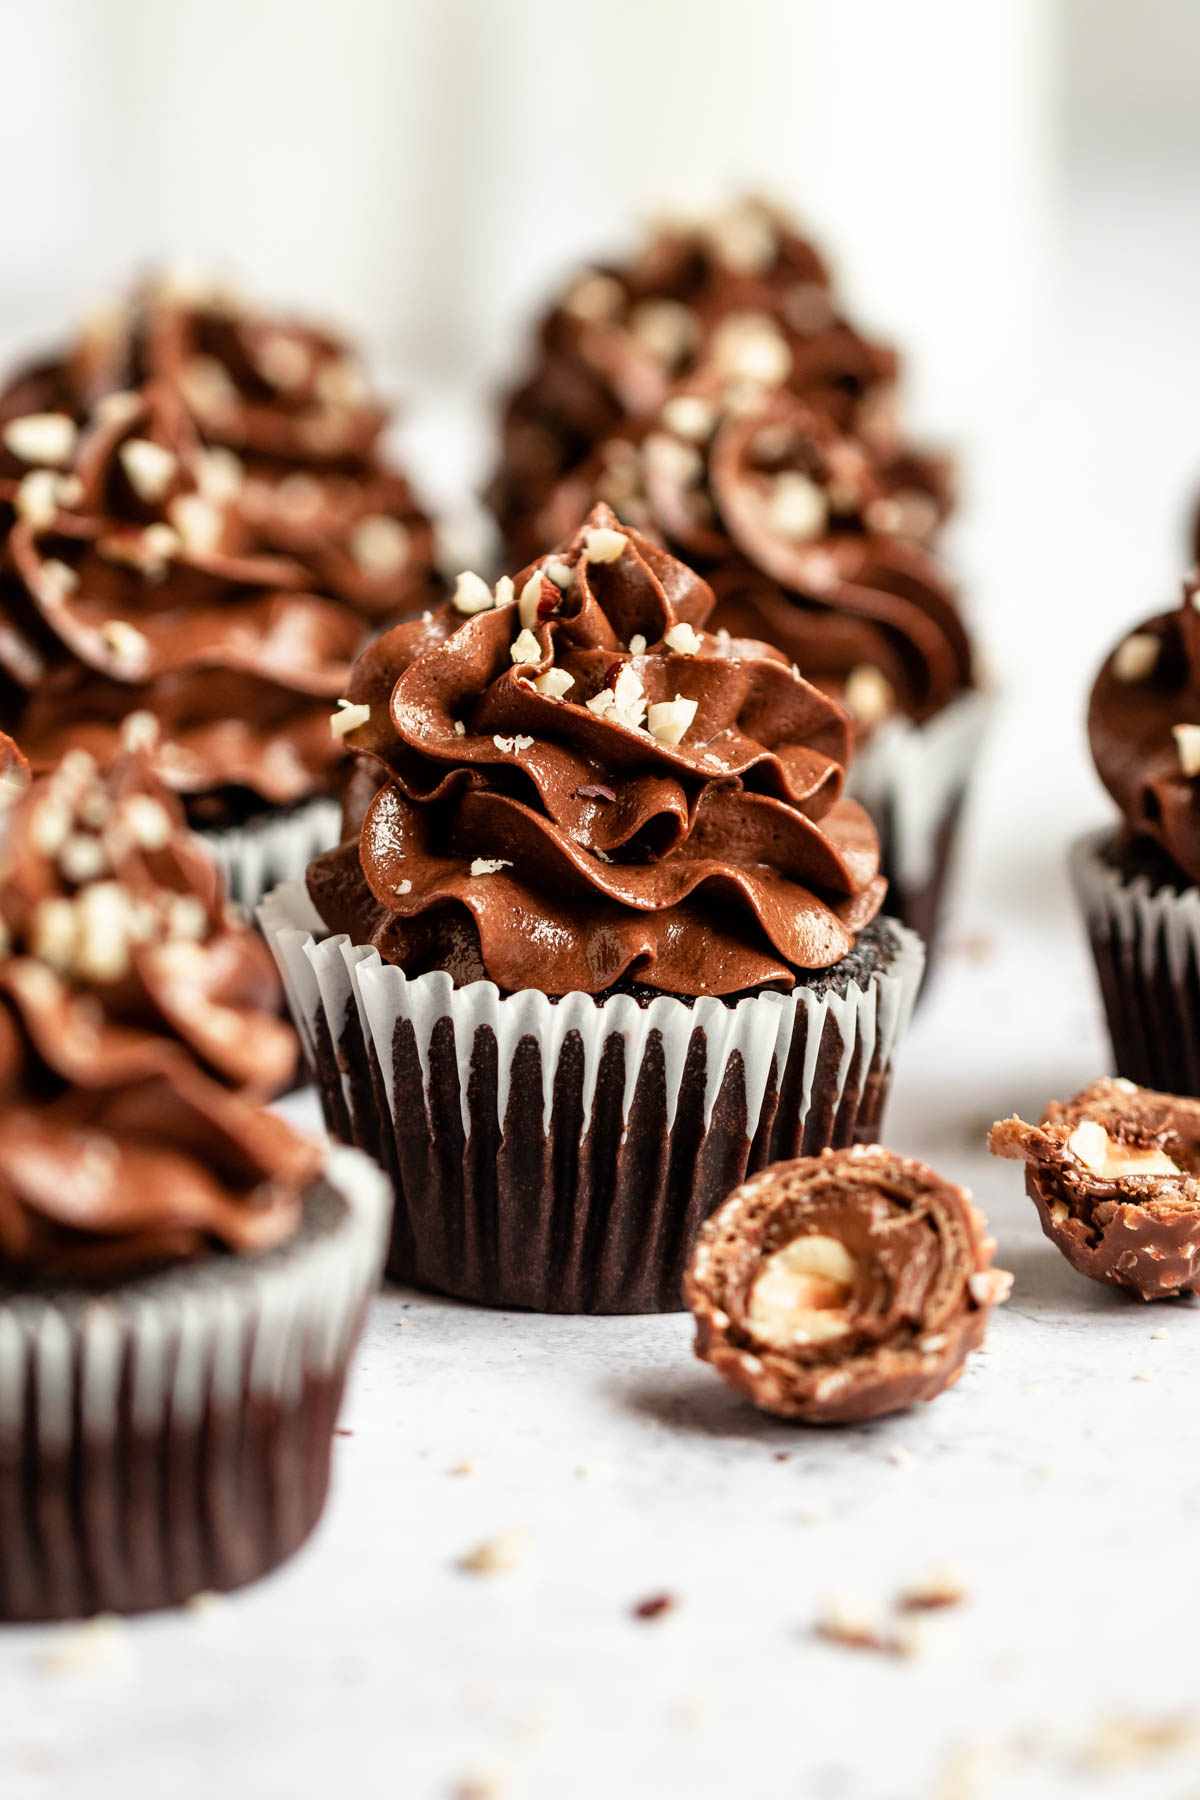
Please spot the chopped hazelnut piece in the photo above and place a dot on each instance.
(1187, 743)
(150, 468)
(41, 437)
(798, 507)
(669, 720)
(525, 647)
(870, 696)
(348, 717)
(472, 594)
(603, 545)
(683, 639)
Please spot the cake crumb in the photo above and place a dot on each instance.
(465, 1467)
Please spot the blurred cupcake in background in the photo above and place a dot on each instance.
(605, 935)
(182, 1276)
(742, 287)
(1139, 882)
(200, 524)
(818, 544)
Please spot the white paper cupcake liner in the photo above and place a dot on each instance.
(1146, 942)
(277, 847)
(913, 780)
(172, 1434)
(562, 1155)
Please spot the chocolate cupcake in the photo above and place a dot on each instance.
(606, 935)
(1113, 1174)
(841, 1287)
(198, 523)
(1137, 884)
(181, 1275)
(818, 544)
(742, 291)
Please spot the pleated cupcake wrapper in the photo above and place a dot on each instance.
(913, 780)
(173, 1434)
(1146, 942)
(277, 847)
(562, 1155)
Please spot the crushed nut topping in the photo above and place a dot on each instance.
(1137, 657)
(472, 594)
(348, 717)
(669, 720)
(525, 647)
(604, 545)
(683, 639)
(41, 437)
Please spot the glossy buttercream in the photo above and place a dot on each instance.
(581, 786)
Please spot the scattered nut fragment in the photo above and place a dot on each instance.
(690, 416)
(1187, 743)
(525, 647)
(669, 720)
(497, 1555)
(683, 639)
(41, 437)
(348, 717)
(937, 1589)
(150, 468)
(97, 1641)
(472, 594)
(848, 1622)
(798, 508)
(654, 1606)
(604, 545)
(870, 696)
(1130, 1738)
(489, 865)
(1137, 657)
(555, 682)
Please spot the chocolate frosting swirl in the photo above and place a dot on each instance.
(198, 523)
(1144, 730)
(810, 539)
(744, 293)
(138, 1036)
(580, 788)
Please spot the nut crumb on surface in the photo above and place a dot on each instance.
(654, 1606)
(1130, 1737)
(938, 1588)
(496, 1555)
(847, 1622)
(88, 1645)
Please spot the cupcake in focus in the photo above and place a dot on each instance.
(199, 523)
(603, 934)
(743, 287)
(181, 1275)
(1139, 883)
(819, 545)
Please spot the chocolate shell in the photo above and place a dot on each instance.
(841, 1287)
(1115, 1176)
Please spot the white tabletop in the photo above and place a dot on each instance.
(1060, 1476)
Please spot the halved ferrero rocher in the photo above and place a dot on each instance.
(1115, 1176)
(840, 1287)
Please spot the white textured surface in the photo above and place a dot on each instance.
(1061, 1474)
